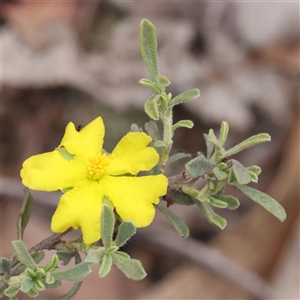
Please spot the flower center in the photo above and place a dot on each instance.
(97, 166)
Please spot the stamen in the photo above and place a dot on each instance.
(97, 166)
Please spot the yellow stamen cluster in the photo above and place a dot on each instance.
(97, 166)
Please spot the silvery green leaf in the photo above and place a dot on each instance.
(181, 198)
(220, 175)
(12, 290)
(266, 201)
(65, 256)
(132, 268)
(107, 225)
(177, 223)
(95, 256)
(72, 292)
(183, 124)
(32, 293)
(255, 169)
(185, 97)
(5, 267)
(232, 202)
(199, 166)
(106, 265)
(223, 132)
(152, 85)
(163, 81)
(212, 137)
(26, 285)
(75, 273)
(217, 202)
(241, 174)
(25, 213)
(151, 107)
(210, 215)
(39, 285)
(152, 129)
(126, 230)
(23, 255)
(209, 146)
(148, 48)
(253, 140)
(177, 157)
(160, 143)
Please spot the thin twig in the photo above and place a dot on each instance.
(46, 244)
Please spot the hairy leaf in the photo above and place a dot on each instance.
(178, 224)
(185, 97)
(148, 48)
(266, 201)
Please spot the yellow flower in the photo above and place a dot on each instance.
(80, 166)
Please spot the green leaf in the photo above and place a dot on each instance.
(151, 107)
(199, 166)
(181, 198)
(72, 292)
(65, 154)
(152, 85)
(185, 97)
(183, 123)
(95, 256)
(75, 273)
(266, 201)
(5, 267)
(148, 48)
(126, 230)
(25, 213)
(232, 202)
(223, 132)
(132, 268)
(12, 290)
(107, 226)
(209, 146)
(50, 280)
(253, 140)
(160, 143)
(39, 285)
(135, 128)
(23, 255)
(210, 215)
(27, 285)
(105, 265)
(152, 129)
(241, 173)
(163, 81)
(221, 175)
(178, 224)
(217, 202)
(254, 171)
(65, 256)
(177, 157)
(212, 138)
(53, 264)
(37, 256)
(32, 293)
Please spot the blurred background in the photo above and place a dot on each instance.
(73, 61)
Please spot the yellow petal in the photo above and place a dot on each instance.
(50, 172)
(133, 197)
(80, 207)
(132, 155)
(86, 142)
